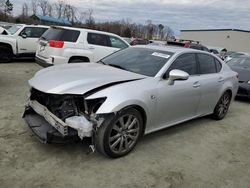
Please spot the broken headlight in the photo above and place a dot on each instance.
(92, 105)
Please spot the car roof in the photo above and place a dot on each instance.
(173, 49)
(86, 30)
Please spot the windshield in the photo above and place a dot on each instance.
(12, 30)
(139, 60)
(240, 62)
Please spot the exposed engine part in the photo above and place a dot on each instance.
(63, 106)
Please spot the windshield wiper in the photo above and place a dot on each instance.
(117, 66)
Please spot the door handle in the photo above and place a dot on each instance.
(91, 47)
(196, 84)
(221, 79)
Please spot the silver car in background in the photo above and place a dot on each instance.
(130, 93)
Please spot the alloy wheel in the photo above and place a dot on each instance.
(124, 134)
(224, 105)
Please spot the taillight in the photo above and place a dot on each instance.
(56, 43)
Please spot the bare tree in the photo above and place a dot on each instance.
(82, 17)
(43, 4)
(168, 33)
(90, 21)
(50, 10)
(34, 6)
(25, 10)
(160, 28)
(67, 12)
(59, 6)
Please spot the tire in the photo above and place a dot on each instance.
(222, 106)
(5, 54)
(116, 139)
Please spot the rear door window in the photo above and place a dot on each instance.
(66, 35)
(117, 43)
(33, 32)
(207, 64)
(98, 39)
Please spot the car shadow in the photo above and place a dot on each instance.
(83, 146)
(176, 129)
(23, 60)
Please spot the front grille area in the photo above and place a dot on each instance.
(63, 106)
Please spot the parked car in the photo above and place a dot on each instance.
(157, 43)
(241, 65)
(21, 41)
(230, 56)
(130, 93)
(128, 40)
(214, 51)
(62, 45)
(188, 44)
(139, 41)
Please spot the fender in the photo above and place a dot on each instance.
(121, 96)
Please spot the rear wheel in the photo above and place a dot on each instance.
(119, 136)
(5, 54)
(222, 106)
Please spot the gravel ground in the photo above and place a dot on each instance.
(199, 153)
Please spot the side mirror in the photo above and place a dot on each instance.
(177, 75)
(24, 35)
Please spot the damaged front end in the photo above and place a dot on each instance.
(62, 118)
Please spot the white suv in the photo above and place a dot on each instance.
(61, 45)
(21, 41)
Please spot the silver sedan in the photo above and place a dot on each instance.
(130, 93)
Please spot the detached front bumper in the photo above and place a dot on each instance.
(44, 132)
(244, 90)
(46, 126)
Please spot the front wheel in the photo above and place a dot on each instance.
(5, 54)
(222, 106)
(119, 136)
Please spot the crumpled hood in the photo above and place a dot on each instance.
(244, 73)
(79, 78)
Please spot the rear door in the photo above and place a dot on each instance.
(211, 80)
(102, 45)
(28, 39)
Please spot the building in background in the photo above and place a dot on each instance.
(231, 39)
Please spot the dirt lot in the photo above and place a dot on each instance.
(200, 153)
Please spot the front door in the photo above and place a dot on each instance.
(180, 101)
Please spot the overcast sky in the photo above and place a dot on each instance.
(177, 14)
